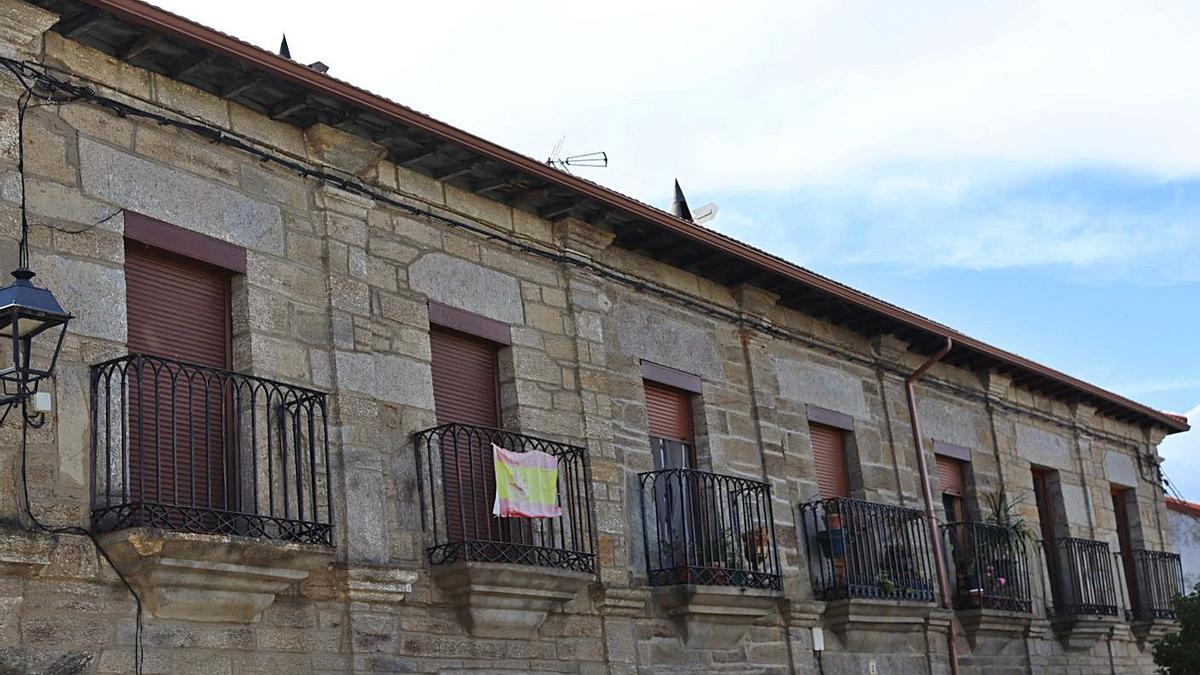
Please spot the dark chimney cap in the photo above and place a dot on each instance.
(679, 206)
(283, 48)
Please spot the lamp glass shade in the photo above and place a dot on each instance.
(32, 327)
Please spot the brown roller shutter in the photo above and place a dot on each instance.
(950, 475)
(464, 378)
(177, 308)
(465, 392)
(829, 459)
(668, 412)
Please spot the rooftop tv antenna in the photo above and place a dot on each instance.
(595, 160)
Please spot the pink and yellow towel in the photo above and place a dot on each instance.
(526, 484)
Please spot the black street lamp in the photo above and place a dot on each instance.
(31, 320)
(33, 324)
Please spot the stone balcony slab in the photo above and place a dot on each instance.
(715, 616)
(506, 600)
(210, 578)
(1151, 630)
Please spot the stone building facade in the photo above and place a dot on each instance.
(1183, 522)
(349, 245)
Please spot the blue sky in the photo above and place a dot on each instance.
(1026, 172)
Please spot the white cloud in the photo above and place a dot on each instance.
(1182, 455)
(909, 107)
(771, 95)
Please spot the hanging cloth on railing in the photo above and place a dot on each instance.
(526, 484)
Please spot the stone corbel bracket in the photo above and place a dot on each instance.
(506, 600)
(211, 578)
(614, 601)
(384, 585)
(1079, 633)
(715, 616)
(1153, 630)
(858, 622)
(977, 623)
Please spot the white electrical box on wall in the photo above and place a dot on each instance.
(818, 635)
(42, 402)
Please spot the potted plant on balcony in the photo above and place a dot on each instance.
(1015, 533)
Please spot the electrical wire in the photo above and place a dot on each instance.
(37, 420)
(26, 423)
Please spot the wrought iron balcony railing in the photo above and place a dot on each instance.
(708, 529)
(860, 549)
(197, 449)
(1158, 579)
(1081, 577)
(989, 567)
(457, 481)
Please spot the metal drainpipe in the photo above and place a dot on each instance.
(927, 491)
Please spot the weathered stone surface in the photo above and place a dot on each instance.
(22, 553)
(47, 662)
(379, 584)
(387, 378)
(341, 150)
(468, 286)
(72, 392)
(94, 294)
(648, 335)
(21, 28)
(365, 516)
(1043, 448)
(1075, 504)
(949, 423)
(807, 382)
(1119, 469)
(192, 202)
(583, 238)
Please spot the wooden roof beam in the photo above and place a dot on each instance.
(557, 210)
(134, 48)
(251, 81)
(77, 23)
(191, 65)
(418, 155)
(458, 169)
(290, 106)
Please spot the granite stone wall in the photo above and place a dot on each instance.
(335, 298)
